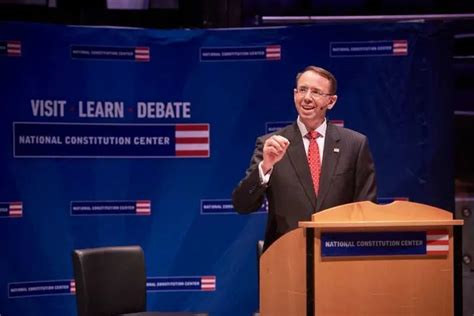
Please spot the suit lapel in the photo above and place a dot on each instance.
(298, 160)
(330, 160)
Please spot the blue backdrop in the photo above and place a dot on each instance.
(113, 136)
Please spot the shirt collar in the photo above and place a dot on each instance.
(321, 128)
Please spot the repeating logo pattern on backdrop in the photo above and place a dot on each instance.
(139, 54)
(259, 53)
(153, 284)
(11, 209)
(139, 207)
(10, 48)
(368, 48)
(41, 288)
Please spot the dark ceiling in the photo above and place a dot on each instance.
(212, 13)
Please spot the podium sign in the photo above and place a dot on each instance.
(384, 243)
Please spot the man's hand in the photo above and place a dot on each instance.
(274, 149)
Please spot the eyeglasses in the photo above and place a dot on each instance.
(313, 92)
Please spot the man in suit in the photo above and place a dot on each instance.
(308, 166)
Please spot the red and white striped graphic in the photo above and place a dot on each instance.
(142, 53)
(143, 207)
(14, 48)
(192, 140)
(273, 52)
(400, 47)
(208, 283)
(339, 123)
(16, 209)
(437, 242)
(72, 287)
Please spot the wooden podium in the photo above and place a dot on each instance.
(298, 277)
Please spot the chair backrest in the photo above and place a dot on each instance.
(110, 280)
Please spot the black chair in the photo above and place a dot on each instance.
(111, 281)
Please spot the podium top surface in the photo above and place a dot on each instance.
(368, 214)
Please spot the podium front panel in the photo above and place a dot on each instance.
(283, 276)
(383, 285)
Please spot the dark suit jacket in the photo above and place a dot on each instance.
(347, 175)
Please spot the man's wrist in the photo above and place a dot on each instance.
(266, 168)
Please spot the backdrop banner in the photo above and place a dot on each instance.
(120, 136)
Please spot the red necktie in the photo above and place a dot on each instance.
(313, 159)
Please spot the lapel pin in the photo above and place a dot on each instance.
(336, 150)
